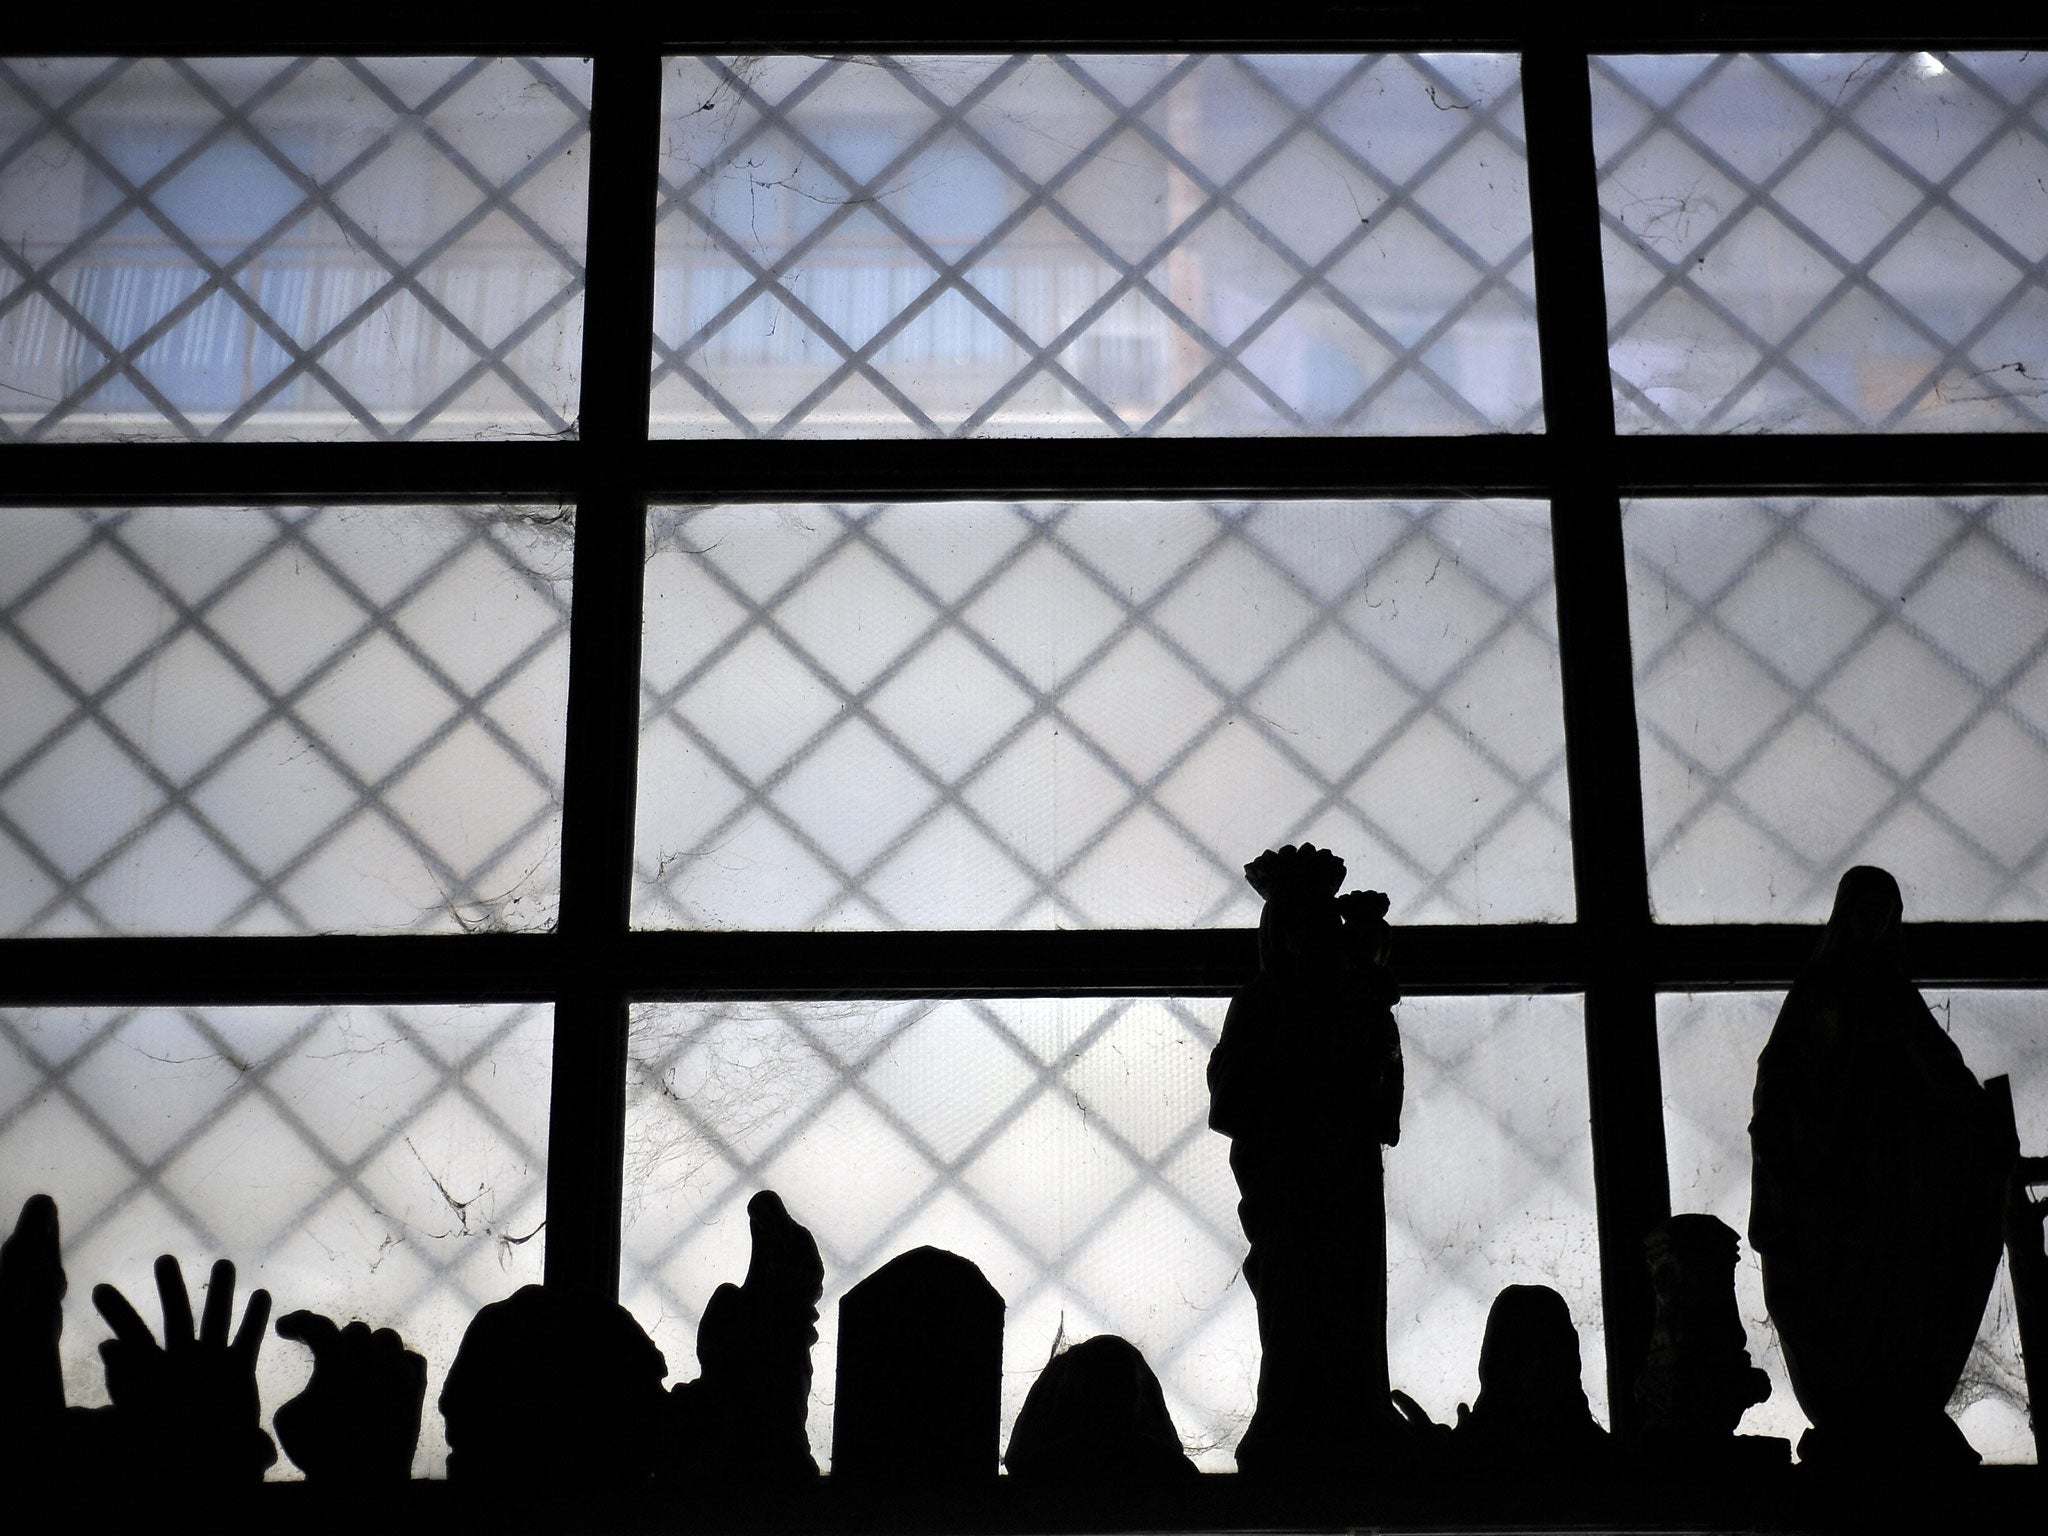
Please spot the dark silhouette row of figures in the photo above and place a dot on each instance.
(1886, 1179)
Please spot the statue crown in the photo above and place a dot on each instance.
(1296, 874)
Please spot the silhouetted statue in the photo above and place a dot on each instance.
(1699, 1380)
(552, 1389)
(1306, 1081)
(1531, 1413)
(186, 1411)
(40, 1439)
(919, 1392)
(32, 1287)
(743, 1418)
(357, 1423)
(1879, 1174)
(2026, 1261)
(1096, 1414)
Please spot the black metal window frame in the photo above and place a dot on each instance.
(594, 965)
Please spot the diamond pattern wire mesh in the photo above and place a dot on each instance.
(243, 720)
(1825, 242)
(1060, 245)
(1830, 682)
(1710, 1043)
(291, 248)
(385, 1163)
(1062, 1145)
(1036, 715)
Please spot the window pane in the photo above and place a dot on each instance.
(1063, 1146)
(1825, 242)
(1830, 682)
(975, 715)
(281, 720)
(1710, 1043)
(291, 248)
(384, 1163)
(1047, 246)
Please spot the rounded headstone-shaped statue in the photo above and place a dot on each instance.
(1879, 1174)
(1096, 1415)
(920, 1382)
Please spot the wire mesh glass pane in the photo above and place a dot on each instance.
(385, 1163)
(1710, 1043)
(1062, 1145)
(1061, 245)
(1829, 682)
(975, 715)
(291, 248)
(1825, 242)
(281, 719)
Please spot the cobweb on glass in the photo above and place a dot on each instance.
(291, 249)
(981, 715)
(1709, 1043)
(382, 1163)
(1825, 242)
(282, 719)
(1059, 245)
(1827, 682)
(1062, 1145)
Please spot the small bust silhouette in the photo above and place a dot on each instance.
(1698, 1381)
(1096, 1415)
(553, 1389)
(1531, 1412)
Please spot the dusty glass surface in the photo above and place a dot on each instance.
(1061, 245)
(1825, 242)
(1710, 1042)
(386, 1163)
(291, 248)
(1062, 1145)
(975, 715)
(281, 719)
(1833, 681)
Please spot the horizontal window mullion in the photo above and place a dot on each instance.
(74, 474)
(290, 473)
(1040, 468)
(1447, 959)
(1946, 463)
(931, 29)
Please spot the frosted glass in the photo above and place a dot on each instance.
(1825, 242)
(299, 249)
(387, 1163)
(1710, 1043)
(1062, 245)
(1829, 682)
(974, 715)
(1062, 1145)
(281, 720)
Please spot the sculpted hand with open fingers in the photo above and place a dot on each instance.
(188, 1408)
(358, 1421)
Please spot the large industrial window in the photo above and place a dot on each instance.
(589, 628)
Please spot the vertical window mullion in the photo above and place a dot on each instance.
(585, 1144)
(1601, 749)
